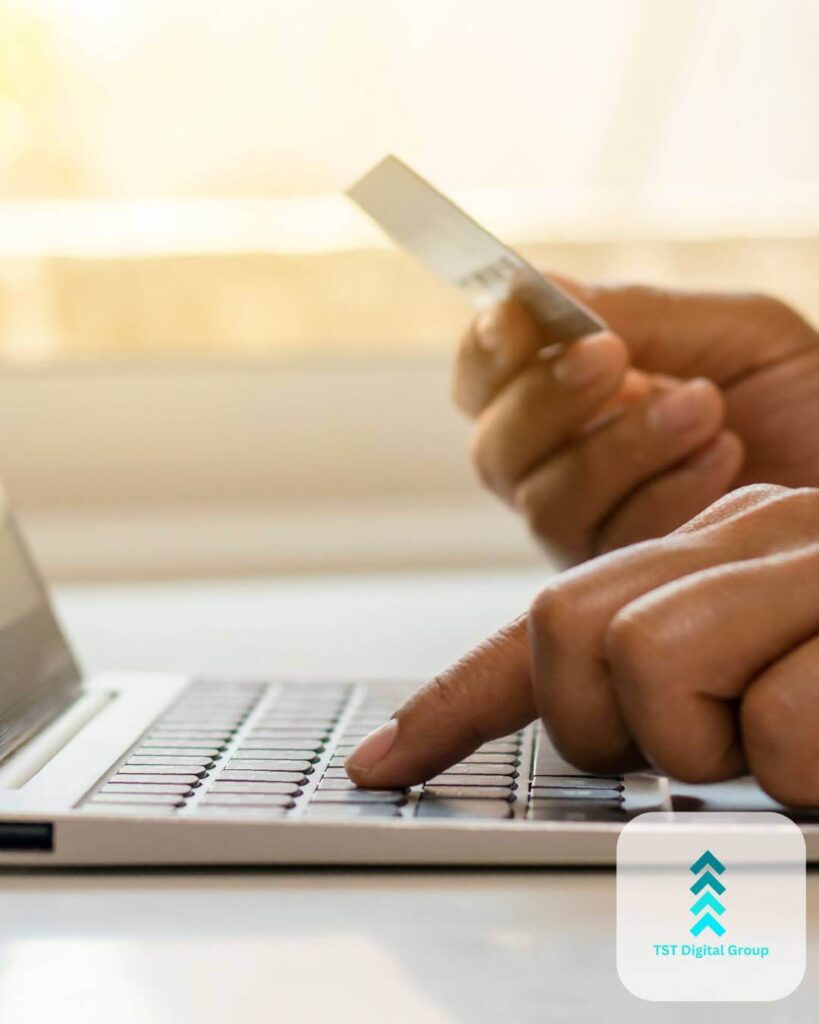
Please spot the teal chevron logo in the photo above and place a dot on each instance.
(707, 909)
(707, 860)
(708, 880)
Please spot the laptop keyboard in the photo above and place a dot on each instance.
(268, 750)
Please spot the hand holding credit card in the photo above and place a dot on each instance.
(595, 446)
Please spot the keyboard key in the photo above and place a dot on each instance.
(247, 800)
(464, 809)
(149, 799)
(204, 714)
(261, 750)
(268, 767)
(579, 781)
(319, 710)
(480, 769)
(161, 769)
(498, 748)
(478, 758)
(465, 779)
(173, 730)
(282, 764)
(348, 786)
(180, 761)
(197, 742)
(278, 740)
(345, 812)
(204, 750)
(194, 729)
(255, 775)
(146, 787)
(336, 773)
(189, 781)
(469, 792)
(285, 788)
(575, 793)
(576, 810)
(304, 723)
(360, 796)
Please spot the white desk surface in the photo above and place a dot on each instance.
(426, 947)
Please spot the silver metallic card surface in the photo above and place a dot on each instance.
(454, 246)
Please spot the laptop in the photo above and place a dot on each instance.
(152, 769)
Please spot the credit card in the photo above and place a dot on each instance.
(456, 248)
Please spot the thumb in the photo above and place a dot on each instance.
(686, 334)
(488, 693)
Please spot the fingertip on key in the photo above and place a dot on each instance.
(371, 751)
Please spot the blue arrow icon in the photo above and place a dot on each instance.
(708, 879)
(707, 921)
(708, 900)
(707, 860)
(708, 904)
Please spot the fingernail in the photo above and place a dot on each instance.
(375, 747)
(587, 361)
(681, 409)
(488, 332)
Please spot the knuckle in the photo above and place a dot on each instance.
(754, 494)
(555, 613)
(737, 504)
(793, 511)
(745, 499)
(635, 646)
(802, 503)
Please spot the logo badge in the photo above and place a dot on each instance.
(711, 906)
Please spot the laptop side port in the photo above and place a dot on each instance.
(20, 836)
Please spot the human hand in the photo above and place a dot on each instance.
(715, 391)
(697, 653)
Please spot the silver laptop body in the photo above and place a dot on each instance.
(163, 769)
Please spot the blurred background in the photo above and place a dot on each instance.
(210, 362)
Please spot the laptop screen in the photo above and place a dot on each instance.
(38, 674)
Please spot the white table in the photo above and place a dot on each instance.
(325, 946)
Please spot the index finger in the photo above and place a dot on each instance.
(487, 694)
